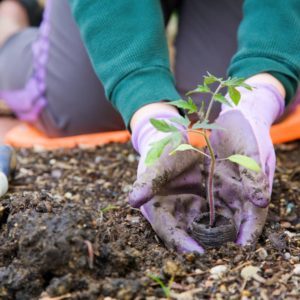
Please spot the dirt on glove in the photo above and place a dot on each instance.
(67, 232)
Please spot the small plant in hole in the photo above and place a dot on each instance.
(205, 235)
(166, 288)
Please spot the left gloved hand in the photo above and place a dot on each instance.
(169, 190)
(241, 192)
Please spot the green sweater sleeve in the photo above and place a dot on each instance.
(127, 46)
(269, 41)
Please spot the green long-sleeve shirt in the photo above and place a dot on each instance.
(127, 46)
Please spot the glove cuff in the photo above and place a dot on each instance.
(278, 99)
(263, 103)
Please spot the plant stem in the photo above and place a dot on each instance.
(210, 182)
(212, 101)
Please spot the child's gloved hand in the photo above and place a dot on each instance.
(246, 193)
(169, 191)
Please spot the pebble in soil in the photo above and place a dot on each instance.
(67, 231)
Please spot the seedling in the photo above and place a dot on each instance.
(108, 208)
(201, 128)
(166, 288)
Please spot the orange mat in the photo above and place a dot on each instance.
(27, 136)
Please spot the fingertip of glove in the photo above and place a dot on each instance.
(189, 246)
(137, 198)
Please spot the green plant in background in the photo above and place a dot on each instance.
(166, 288)
(108, 208)
(201, 127)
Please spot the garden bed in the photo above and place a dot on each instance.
(67, 232)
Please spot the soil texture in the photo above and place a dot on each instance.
(67, 232)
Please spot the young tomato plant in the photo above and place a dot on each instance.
(201, 127)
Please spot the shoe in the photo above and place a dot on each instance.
(8, 162)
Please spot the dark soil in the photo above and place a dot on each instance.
(223, 231)
(67, 232)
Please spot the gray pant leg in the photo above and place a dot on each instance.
(76, 103)
(16, 60)
(76, 100)
(206, 40)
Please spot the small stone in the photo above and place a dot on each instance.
(246, 293)
(107, 185)
(68, 195)
(296, 270)
(287, 255)
(56, 173)
(219, 296)
(218, 271)
(248, 272)
(126, 189)
(290, 234)
(52, 161)
(131, 158)
(223, 288)
(133, 219)
(295, 259)
(171, 268)
(286, 225)
(190, 279)
(262, 253)
(98, 159)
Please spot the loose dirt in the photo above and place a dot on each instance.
(67, 232)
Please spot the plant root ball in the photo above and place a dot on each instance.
(222, 232)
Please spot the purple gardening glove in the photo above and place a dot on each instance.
(243, 193)
(169, 190)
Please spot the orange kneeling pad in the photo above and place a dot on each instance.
(27, 136)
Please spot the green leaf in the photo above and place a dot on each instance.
(184, 121)
(163, 126)
(246, 86)
(234, 81)
(203, 88)
(200, 89)
(109, 208)
(220, 98)
(237, 82)
(206, 125)
(234, 95)
(165, 289)
(183, 147)
(189, 105)
(211, 79)
(156, 150)
(176, 139)
(245, 161)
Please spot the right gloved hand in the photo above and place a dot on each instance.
(168, 192)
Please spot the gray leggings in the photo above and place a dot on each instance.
(75, 98)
